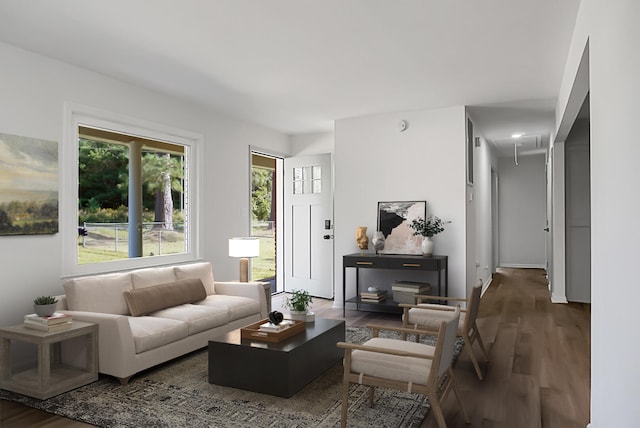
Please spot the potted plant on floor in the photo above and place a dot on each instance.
(298, 304)
(45, 306)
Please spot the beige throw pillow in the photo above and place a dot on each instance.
(144, 301)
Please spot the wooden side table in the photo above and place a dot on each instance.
(51, 376)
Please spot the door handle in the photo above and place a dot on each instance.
(546, 229)
(327, 237)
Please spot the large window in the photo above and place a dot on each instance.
(109, 229)
(134, 189)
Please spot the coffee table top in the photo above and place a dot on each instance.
(313, 329)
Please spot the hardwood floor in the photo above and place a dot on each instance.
(538, 374)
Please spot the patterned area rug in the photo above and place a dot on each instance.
(178, 394)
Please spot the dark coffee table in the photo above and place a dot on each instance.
(280, 369)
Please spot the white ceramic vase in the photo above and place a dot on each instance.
(378, 241)
(427, 246)
(307, 316)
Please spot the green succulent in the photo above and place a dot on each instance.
(45, 300)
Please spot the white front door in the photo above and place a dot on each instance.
(308, 222)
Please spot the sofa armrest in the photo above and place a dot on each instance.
(115, 340)
(254, 290)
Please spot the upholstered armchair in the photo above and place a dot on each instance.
(427, 317)
(404, 365)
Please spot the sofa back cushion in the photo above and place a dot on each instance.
(201, 270)
(98, 293)
(143, 301)
(146, 277)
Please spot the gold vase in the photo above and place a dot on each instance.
(361, 238)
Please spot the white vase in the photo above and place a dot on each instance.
(427, 246)
(307, 316)
(378, 241)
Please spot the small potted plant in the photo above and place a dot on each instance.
(298, 304)
(45, 306)
(427, 228)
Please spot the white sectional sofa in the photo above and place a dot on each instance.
(149, 316)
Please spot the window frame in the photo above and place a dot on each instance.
(77, 115)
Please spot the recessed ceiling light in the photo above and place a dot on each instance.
(518, 135)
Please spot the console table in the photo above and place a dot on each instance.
(391, 262)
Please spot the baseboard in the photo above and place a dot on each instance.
(522, 266)
(558, 298)
(485, 286)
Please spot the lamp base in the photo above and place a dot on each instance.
(244, 269)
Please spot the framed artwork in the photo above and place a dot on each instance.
(28, 186)
(394, 219)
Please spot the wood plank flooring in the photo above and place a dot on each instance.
(538, 374)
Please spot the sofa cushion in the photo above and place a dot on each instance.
(197, 270)
(152, 332)
(198, 318)
(147, 277)
(150, 299)
(98, 293)
(236, 306)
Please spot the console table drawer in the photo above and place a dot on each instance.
(415, 264)
(365, 262)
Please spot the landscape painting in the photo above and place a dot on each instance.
(28, 186)
(394, 219)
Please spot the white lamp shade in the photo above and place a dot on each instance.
(244, 247)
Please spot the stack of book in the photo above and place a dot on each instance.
(55, 322)
(276, 327)
(373, 297)
(404, 291)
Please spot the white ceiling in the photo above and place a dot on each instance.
(297, 65)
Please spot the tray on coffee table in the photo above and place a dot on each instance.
(253, 331)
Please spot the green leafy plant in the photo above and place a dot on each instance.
(429, 227)
(300, 300)
(45, 300)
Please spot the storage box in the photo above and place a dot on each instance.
(404, 297)
(404, 291)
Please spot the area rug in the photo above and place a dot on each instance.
(178, 394)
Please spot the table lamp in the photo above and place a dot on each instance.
(244, 248)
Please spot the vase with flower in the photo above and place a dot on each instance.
(427, 228)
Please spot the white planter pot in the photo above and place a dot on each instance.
(427, 246)
(302, 316)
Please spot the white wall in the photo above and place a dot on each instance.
(312, 144)
(375, 162)
(34, 90)
(614, 58)
(522, 211)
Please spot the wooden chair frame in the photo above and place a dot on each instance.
(436, 387)
(468, 330)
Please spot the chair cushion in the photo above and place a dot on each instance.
(430, 319)
(198, 318)
(144, 301)
(236, 306)
(197, 270)
(98, 293)
(147, 277)
(404, 369)
(153, 332)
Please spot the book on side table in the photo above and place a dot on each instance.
(56, 322)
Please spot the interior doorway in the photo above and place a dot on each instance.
(266, 218)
